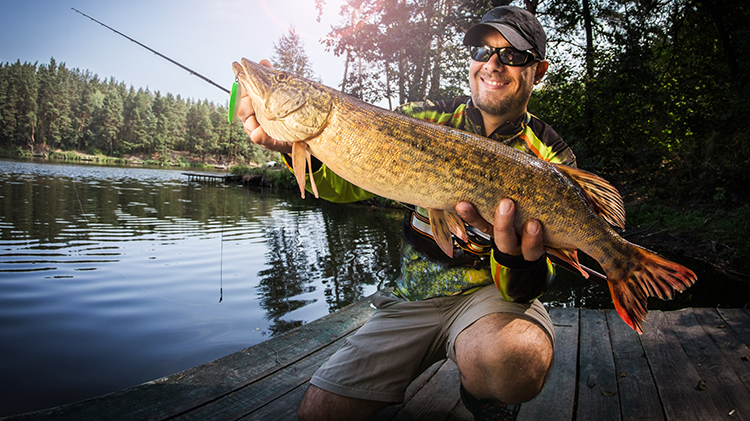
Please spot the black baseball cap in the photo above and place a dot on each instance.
(521, 28)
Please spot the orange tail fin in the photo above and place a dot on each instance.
(647, 275)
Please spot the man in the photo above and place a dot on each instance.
(502, 341)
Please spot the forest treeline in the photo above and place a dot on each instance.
(51, 106)
(651, 94)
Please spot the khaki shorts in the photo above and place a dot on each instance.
(403, 338)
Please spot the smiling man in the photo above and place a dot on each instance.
(479, 307)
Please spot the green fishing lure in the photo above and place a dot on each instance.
(234, 100)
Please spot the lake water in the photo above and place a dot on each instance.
(111, 276)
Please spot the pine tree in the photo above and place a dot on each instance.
(289, 55)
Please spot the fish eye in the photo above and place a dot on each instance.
(281, 77)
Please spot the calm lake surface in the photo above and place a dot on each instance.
(110, 277)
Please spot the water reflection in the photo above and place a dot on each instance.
(114, 276)
(333, 246)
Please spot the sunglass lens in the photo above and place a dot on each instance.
(480, 53)
(510, 57)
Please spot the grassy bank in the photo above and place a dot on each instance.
(714, 234)
(98, 158)
(280, 177)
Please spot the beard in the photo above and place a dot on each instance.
(507, 104)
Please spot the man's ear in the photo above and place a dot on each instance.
(541, 70)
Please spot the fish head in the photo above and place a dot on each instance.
(288, 107)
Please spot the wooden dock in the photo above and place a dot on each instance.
(690, 364)
(212, 178)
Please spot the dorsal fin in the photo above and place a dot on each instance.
(603, 198)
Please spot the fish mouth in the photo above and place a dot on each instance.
(261, 78)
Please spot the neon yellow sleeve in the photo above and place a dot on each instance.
(333, 188)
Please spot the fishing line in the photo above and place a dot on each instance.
(88, 226)
(224, 210)
(189, 70)
(233, 103)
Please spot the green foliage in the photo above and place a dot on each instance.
(278, 177)
(664, 107)
(402, 50)
(651, 95)
(722, 229)
(69, 109)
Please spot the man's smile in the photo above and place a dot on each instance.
(494, 83)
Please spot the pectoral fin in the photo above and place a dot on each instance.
(301, 159)
(456, 225)
(309, 165)
(441, 230)
(299, 152)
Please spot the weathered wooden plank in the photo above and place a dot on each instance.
(180, 392)
(436, 400)
(674, 374)
(739, 321)
(597, 384)
(390, 412)
(267, 381)
(282, 409)
(639, 399)
(249, 398)
(722, 384)
(285, 407)
(556, 401)
(734, 350)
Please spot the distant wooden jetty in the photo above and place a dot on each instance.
(212, 178)
(690, 364)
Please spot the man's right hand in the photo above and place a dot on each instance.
(246, 114)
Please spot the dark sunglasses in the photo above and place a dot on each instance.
(509, 56)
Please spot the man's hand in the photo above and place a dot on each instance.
(530, 244)
(246, 114)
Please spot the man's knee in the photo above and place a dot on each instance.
(525, 365)
(504, 357)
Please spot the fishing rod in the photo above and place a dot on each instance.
(233, 101)
(189, 70)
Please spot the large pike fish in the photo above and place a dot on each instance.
(435, 167)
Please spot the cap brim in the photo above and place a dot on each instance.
(515, 39)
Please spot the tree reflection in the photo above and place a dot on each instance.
(88, 215)
(342, 247)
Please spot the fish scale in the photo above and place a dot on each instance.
(436, 167)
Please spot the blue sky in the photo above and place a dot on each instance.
(206, 36)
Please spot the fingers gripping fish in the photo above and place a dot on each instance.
(435, 167)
